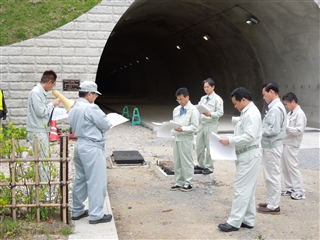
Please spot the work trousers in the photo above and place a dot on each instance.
(90, 180)
(43, 152)
(271, 160)
(183, 162)
(243, 206)
(290, 169)
(203, 147)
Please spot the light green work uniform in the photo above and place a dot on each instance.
(183, 145)
(247, 134)
(206, 126)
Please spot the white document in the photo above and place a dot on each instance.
(202, 108)
(164, 131)
(59, 113)
(235, 120)
(116, 119)
(219, 151)
(156, 123)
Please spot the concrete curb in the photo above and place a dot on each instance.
(84, 230)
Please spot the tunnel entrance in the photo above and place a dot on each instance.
(157, 47)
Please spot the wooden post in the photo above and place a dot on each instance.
(36, 156)
(64, 180)
(13, 182)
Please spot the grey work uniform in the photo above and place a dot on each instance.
(38, 117)
(247, 135)
(183, 145)
(89, 124)
(297, 122)
(273, 132)
(206, 126)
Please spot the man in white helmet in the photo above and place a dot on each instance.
(89, 124)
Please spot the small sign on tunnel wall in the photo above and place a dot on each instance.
(70, 85)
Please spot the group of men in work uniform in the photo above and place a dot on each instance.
(89, 125)
(280, 140)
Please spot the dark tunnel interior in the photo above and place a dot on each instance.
(159, 46)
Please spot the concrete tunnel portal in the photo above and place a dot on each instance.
(159, 46)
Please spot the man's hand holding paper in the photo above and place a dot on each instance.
(164, 130)
(220, 151)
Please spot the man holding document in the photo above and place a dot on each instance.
(187, 115)
(211, 109)
(89, 124)
(246, 138)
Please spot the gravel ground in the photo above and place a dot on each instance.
(145, 208)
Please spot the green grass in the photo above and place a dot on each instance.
(26, 229)
(24, 19)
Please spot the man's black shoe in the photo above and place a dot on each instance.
(84, 214)
(243, 225)
(186, 188)
(105, 218)
(197, 167)
(175, 188)
(226, 227)
(206, 171)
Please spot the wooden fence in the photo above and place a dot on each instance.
(63, 180)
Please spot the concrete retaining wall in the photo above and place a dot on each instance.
(73, 51)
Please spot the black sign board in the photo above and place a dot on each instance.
(70, 85)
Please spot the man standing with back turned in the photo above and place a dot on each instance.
(89, 125)
(208, 123)
(246, 139)
(273, 133)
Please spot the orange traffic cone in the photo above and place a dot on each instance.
(53, 137)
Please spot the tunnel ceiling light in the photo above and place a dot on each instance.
(178, 47)
(147, 58)
(252, 20)
(206, 37)
(137, 61)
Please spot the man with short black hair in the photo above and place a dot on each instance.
(246, 139)
(273, 133)
(297, 122)
(89, 125)
(208, 123)
(38, 117)
(188, 116)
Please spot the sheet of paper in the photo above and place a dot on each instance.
(235, 120)
(220, 152)
(116, 119)
(59, 113)
(156, 123)
(164, 131)
(202, 108)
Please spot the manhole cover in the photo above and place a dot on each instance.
(127, 157)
